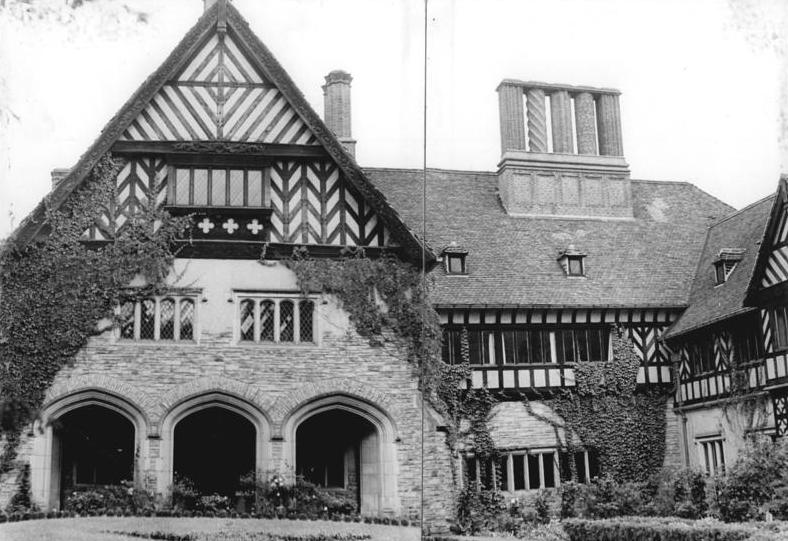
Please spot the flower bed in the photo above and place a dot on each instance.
(671, 529)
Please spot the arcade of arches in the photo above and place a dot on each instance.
(213, 444)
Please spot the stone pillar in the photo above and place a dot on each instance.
(585, 123)
(561, 116)
(537, 121)
(512, 116)
(609, 123)
(336, 101)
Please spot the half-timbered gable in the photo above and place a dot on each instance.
(220, 132)
(718, 336)
(772, 266)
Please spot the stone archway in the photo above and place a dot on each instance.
(213, 431)
(89, 438)
(343, 443)
(213, 448)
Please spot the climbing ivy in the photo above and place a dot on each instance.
(57, 292)
(388, 294)
(608, 413)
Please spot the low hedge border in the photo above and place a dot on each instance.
(389, 521)
(671, 529)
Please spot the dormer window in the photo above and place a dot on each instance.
(725, 264)
(572, 261)
(455, 259)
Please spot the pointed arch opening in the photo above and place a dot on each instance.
(346, 445)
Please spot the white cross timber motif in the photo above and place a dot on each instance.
(254, 226)
(206, 225)
(230, 226)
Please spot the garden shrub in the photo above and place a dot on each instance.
(756, 484)
(185, 496)
(21, 501)
(570, 492)
(113, 498)
(273, 496)
(542, 507)
(478, 509)
(667, 529)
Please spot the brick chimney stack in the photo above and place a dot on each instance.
(562, 151)
(336, 99)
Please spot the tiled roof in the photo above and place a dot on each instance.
(648, 261)
(710, 302)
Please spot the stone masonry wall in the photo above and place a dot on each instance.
(275, 379)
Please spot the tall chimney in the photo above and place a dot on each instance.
(566, 161)
(336, 99)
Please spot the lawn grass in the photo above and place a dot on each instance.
(201, 529)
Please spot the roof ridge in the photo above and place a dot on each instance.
(433, 169)
(743, 210)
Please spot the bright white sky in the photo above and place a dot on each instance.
(699, 79)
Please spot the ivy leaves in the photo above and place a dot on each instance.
(57, 290)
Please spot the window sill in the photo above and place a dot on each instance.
(283, 345)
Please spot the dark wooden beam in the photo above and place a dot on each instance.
(210, 152)
(233, 249)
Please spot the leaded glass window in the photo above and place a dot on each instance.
(157, 318)
(276, 319)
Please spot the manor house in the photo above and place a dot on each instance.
(535, 262)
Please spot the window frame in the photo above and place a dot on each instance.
(218, 165)
(260, 297)
(711, 454)
(178, 298)
(779, 344)
(463, 258)
(492, 343)
(501, 477)
(578, 259)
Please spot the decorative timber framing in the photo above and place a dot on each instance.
(644, 327)
(714, 360)
(224, 17)
(771, 268)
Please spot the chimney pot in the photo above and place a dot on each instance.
(336, 98)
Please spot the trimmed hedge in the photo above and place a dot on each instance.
(670, 529)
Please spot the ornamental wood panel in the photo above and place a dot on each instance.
(776, 269)
(311, 203)
(644, 326)
(140, 182)
(780, 406)
(219, 95)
